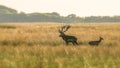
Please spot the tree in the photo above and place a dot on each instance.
(71, 16)
(6, 10)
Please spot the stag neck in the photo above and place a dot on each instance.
(100, 40)
(63, 34)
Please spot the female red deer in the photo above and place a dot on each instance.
(96, 43)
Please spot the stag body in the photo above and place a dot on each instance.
(95, 43)
(67, 38)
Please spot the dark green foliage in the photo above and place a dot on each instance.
(6, 10)
(11, 15)
(102, 19)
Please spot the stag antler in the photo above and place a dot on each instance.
(64, 28)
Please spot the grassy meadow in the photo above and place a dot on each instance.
(38, 45)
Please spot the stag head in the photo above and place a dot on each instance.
(63, 29)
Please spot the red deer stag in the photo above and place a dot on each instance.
(65, 37)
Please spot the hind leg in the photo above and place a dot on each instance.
(73, 43)
(76, 43)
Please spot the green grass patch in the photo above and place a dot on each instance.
(7, 27)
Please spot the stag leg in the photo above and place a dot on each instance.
(66, 43)
(76, 43)
(73, 43)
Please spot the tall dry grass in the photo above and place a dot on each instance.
(38, 45)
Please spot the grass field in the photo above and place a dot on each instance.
(38, 45)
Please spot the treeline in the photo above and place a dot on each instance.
(11, 15)
(102, 19)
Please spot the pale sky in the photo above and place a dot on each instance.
(66, 7)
